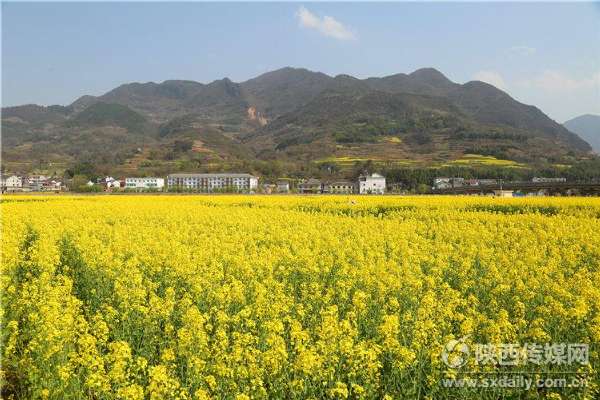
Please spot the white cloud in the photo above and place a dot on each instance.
(522, 50)
(557, 81)
(491, 77)
(327, 26)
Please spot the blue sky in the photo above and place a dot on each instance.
(546, 54)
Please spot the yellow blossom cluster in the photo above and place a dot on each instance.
(288, 297)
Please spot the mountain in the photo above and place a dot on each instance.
(353, 122)
(26, 123)
(110, 114)
(158, 101)
(489, 105)
(292, 115)
(425, 81)
(422, 114)
(588, 128)
(278, 92)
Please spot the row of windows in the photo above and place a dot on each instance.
(206, 186)
(147, 184)
(204, 182)
(209, 180)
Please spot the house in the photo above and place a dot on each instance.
(371, 184)
(311, 186)
(341, 187)
(52, 185)
(145, 183)
(108, 182)
(449, 183)
(36, 182)
(442, 183)
(283, 186)
(213, 182)
(11, 183)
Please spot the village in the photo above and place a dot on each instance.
(366, 183)
(197, 183)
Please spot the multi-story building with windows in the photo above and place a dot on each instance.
(144, 183)
(36, 182)
(341, 187)
(371, 184)
(213, 182)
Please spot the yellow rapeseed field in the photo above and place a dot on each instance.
(290, 297)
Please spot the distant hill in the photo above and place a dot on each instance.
(34, 114)
(588, 128)
(292, 115)
(107, 114)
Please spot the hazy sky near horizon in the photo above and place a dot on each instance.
(545, 54)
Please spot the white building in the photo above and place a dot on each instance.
(144, 183)
(371, 184)
(548, 180)
(11, 183)
(36, 182)
(213, 182)
(442, 183)
(109, 182)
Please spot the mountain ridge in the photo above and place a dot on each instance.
(295, 114)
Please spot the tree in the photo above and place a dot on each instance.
(85, 168)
